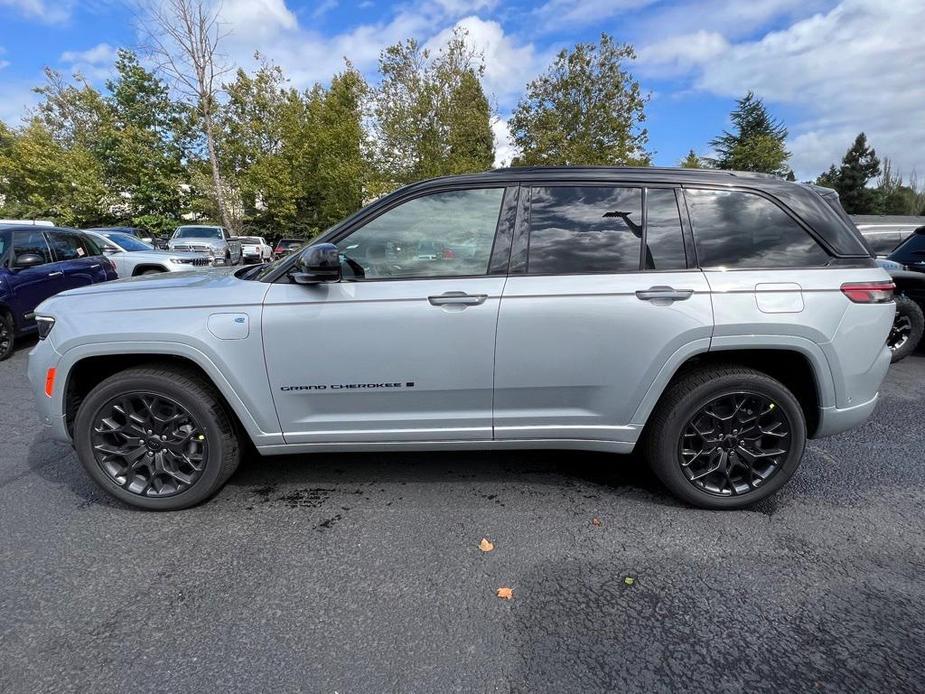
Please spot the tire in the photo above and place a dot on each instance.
(7, 336)
(208, 432)
(681, 411)
(907, 329)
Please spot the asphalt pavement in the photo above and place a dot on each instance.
(362, 573)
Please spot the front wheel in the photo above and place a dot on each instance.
(908, 325)
(7, 337)
(156, 437)
(725, 438)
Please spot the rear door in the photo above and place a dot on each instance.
(31, 286)
(599, 300)
(78, 260)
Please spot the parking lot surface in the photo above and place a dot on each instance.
(362, 573)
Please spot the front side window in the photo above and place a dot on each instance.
(30, 242)
(735, 229)
(448, 234)
(584, 229)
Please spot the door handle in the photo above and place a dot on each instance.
(55, 274)
(457, 299)
(95, 267)
(665, 293)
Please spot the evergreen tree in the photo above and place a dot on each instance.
(691, 161)
(757, 143)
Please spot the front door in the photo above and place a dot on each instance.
(31, 286)
(79, 261)
(603, 300)
(403, 348)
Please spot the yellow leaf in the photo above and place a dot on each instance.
(505, 593)
(596, 521)
(629, 580)
(485, 545)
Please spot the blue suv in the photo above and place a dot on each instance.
(36, 263)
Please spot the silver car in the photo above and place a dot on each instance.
(133, 257)
(712, 320)
(213, 241)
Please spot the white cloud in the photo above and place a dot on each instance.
(16, 99)
(857, 67)
(100, 54)
(554, 13)
(504, 147)
(680, 53)
(49, 12)
(508, 65)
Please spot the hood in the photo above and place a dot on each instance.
(147, 286)
(212, 243)
(162, 256)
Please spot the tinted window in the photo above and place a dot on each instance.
(198, 233)
(738, 229)
(437, 235)
(127, 243)
(912, 250)
(30, 242)
(67, 246)
(584, 229)
(664, 239)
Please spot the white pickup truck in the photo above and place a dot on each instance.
(215, 241)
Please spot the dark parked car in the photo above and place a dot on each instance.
(37, 262)
(906, 266)
(287, 246)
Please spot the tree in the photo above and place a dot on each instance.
(431, 115)
(691, 161)
(893, 196)
(42, 179)
(859, 165)
(758, 142)
(184, 35)
(585, 109)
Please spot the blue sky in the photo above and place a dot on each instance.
(828, 68)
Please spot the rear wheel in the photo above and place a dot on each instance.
(7, 338)
(908, 325)
(157, 438)
(725, 438)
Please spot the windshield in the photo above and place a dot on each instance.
(198, 233)
(250, 239)
(128, 243)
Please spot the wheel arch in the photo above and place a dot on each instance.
(805, 375)
(86, 370)
(147, 266)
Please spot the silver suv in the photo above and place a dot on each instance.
(714, 320)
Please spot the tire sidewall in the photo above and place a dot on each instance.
(908, 307)
(8, 323)
(202, 412)
(667, 464)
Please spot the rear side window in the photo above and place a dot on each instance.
(67, 246)
(736, 229)
(664, 238)
(30, 242)
(584, 229)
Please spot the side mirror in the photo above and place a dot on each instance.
(318, 263)
(27, 260)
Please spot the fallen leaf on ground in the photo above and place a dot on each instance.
(595, 521)
(629, 580)
(505, 593)
(485, 545)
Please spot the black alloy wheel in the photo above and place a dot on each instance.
(6, 337)
(900, 332)
(149, 444)
(907, 329)
(734, 444)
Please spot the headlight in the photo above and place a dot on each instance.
(45, 324)
(181, 261)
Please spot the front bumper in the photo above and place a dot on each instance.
(50, 408)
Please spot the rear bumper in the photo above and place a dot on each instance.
(834, 420)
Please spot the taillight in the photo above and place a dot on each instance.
(869, 292)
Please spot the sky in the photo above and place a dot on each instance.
(829, 69)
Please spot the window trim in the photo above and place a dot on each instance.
(820, 242)
(361, 221)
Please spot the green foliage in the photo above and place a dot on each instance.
(691, 161)
(585, 109)
(894, 196)
(758, 142)
(431, 116)
(858, 167)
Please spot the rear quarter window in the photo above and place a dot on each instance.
(737, 229)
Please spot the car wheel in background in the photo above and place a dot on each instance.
(725, 438)
(908, 325)
(156, 437)
(7, 338)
